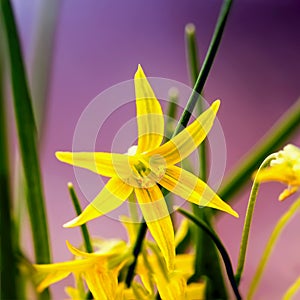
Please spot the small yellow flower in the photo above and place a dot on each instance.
(147, 165)
(284, 168)
(171, 284)
(100, 269)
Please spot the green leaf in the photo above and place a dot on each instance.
(8, 286)
(27, 136)
(214, 237)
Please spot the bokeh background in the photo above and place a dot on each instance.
(256, 74)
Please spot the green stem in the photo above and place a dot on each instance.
(274, 139)
(292, 290)
(219, 245)
(270, 246)
(207, 64)
(192, 52)
(206, 258)
(84, 230)
(8, 286)
(136, 251)
(248, 220)
(193, 66)
(27, 137)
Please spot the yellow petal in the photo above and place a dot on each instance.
(47, 274)
(184, 143)
(181, 232)
(195, 291)
(174, 288)
(191, 188)
(103, 284)
(67, 266)
(184, 263)
(74, 293)
(112, 196)
(150, 118)
(288, 192)
(156, 214)
(106, 164)
(108, 248)
(52, 278)
(131, 228)
(277, 173)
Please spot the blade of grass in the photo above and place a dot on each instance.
(27, 136)
(206, 257)
(84, 230)
(8, 286)
(214, 237)
(206, 66)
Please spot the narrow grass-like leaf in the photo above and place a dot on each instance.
(27, 136)
(84, 230)
(209, 231)
(43, 42)
(207, 262)
(206, 66)
(8, 286)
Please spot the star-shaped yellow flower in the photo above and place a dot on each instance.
(147, 165)
(100, 270)
(284, 168)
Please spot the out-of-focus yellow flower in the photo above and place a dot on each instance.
(171, 284)
(99, 270)
(147, 165)
(284, 168)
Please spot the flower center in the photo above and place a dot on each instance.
(145, 172)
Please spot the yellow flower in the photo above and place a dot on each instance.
(147, 165)
(284, 168)
(171, 284)
(100, 269)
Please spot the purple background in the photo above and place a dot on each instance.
(256, 74)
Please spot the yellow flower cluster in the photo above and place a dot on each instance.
(140, 172)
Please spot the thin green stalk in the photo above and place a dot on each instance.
(214, 237)
(207, 64)
(8, 286)
(248, 220)
(27, 137)
(192, 52)
(85, 233)
(206, 258)
(136, 251)
(274, 139)
(171, 111)
(280, 225)
(292, 290)
(193, 66)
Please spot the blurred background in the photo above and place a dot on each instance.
(256, 74)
